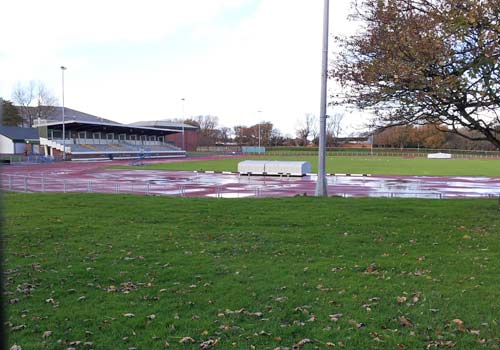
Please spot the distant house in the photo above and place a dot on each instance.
(16, 140)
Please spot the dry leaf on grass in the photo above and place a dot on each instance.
(405, 322)
(46, 334)
(335, 317)
(301, 344)
(186, 340)
(209, 344)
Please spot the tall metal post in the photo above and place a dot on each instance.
(63, 124)
(259, 127)
(321, 184)
(183, 118)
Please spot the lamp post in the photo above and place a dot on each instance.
(259, 127)
(183, 117)
(63, 68)
(321, 184)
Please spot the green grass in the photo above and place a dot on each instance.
(77, 263)
(365, 165)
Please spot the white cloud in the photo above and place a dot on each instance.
(269, 60)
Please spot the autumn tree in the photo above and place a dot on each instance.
(425, 62)
(34, 100)
(10, 114)
(250, 135)
(397, 136)
(208, 129)
(428, 136)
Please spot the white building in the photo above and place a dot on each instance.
(15, 140)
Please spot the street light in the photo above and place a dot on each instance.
(63, 68)
(183, 118)
(259, 127)
(321, 183)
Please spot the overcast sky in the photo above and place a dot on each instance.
(135, 60)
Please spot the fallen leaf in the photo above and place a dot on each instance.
(301, 344)
(209, 344)
(401, 300)
(46, 334)
(335, 317)
(405, 322)
(458, 322)
(17, 328)
(435, 344)
(186, 340)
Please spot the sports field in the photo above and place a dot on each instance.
(360, 165)
(89, 271)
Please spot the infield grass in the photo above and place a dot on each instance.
(253, 274)
(354, 165)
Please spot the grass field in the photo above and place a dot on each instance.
(366, 165)
(134, 272)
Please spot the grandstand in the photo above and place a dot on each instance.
(91, 137)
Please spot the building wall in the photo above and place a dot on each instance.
(19, 148)
(6, 145)
(190, 139)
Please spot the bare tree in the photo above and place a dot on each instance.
(304, 129)
(208, 129)
(35, 100)
(333, 128)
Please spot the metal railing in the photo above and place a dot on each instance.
(41, 184)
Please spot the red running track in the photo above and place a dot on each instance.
(95, 177)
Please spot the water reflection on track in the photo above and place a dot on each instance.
(87, 178)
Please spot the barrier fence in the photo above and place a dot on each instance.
(31, 184)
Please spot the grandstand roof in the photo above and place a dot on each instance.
(54, 113)
(169, 124)
(112, 127)
(84, 121)
(19, 134)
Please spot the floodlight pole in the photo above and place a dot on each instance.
(321, 184)
(63, 68)
(259, 128)
(183, 118)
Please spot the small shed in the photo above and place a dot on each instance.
(269, 167)
(14, 140)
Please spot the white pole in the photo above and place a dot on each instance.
(183, 118)
(259, 127)
(321, 184)
(63, 125)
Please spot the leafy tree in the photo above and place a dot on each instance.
(428, 136)
(10, 114)
(426, 62)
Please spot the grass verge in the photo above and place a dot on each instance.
(360, 165)
(135, 272)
